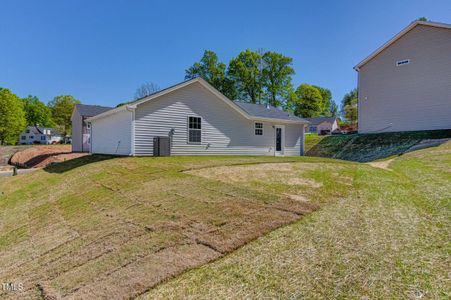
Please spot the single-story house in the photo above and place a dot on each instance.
(39, 135)
(322, 125)
(405, 85)
(80, 128)
(193, 118)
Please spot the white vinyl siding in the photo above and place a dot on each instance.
(413, 96)
(224, 131)
(112, 134)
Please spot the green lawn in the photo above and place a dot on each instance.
(247, 227)
(311, 140)
(100, 226)
(389, 238)
(368, 147)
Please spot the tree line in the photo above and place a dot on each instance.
(261, 77)
(16, 113)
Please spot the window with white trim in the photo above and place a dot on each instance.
(258, 128)
(42, 137)
(194, 130)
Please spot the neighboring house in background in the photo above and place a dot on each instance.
(80, 128)
(322, 125)
(39, 135)
(405, 85)
(193, 118)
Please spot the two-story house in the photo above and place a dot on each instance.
(39, 135)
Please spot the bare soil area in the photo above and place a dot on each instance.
(41, 156)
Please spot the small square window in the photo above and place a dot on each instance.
(23, 137)
(258, 128)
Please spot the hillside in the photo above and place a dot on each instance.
(369, 147)
(99, 226)
(388, 238)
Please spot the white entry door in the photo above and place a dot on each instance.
(279, 140)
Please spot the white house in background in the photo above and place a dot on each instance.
(322, 125)
(80, 128)
(39, 135)
(193, 118)
(405, 85)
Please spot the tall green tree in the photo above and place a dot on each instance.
(214, 72)
(62, 107)
(276, 75)
(326, 96)
(37, 113)
(246, 71)
(306, 102)
(349, 106)
(12, 117)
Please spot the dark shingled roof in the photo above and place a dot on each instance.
(262, 111)
(91, 110)
(319, 120)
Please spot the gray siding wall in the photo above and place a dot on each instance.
(112, 134)
(77, 127)
(416, 96)
(224, 131)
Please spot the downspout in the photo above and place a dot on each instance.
(90, 139)
(303, 140)
(81, 134)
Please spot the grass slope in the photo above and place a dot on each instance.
(388, 238)
(101, 226)
(369, 147)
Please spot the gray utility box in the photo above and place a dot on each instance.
(161, 146)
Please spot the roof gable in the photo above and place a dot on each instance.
(319, 120)
(397, 37)
(247, 112)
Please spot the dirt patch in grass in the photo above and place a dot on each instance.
(283, 173)
(42, 156)
(382, 164)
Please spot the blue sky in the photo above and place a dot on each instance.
(101, 51)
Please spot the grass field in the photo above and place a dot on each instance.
(387, 238)
(100, 226)
(311, 140)
(368, 147)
